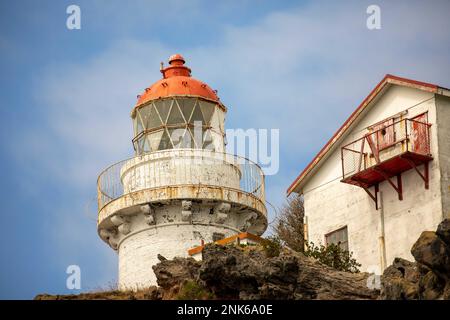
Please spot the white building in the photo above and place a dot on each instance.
(383, 178)
(179, 190)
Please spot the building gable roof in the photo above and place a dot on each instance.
(387, 81)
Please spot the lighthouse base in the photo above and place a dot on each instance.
(138, 252)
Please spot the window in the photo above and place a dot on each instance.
(338, 237)
(217, 236)
(419, 134)
(384, 134)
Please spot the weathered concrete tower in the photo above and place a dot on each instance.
(181, 189)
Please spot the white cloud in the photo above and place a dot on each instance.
(88, 107)
(302, 71)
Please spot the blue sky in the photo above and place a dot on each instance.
(66, 95)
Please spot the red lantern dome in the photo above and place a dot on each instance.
(177, 81)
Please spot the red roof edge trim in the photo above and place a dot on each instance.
(388, 78)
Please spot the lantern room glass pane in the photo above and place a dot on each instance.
(149, 117)
(197, 115)
(221, 118)
(163, 107)
(165, 142)
(207, 109)
(186, 106)
(175, 116)
(140, 144)
(188, 140)
(146, 147)
(215, 120)
(176, 135)
(154, 139)
(207, 140)
(139, 126)
(196, 141)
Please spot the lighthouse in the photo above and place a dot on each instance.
(181, 189)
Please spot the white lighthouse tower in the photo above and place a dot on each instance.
(180, 190)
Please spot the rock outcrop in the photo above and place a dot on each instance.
(427, 278)
(173, 274)
(248, 272)
(230, 272)
(152, 293)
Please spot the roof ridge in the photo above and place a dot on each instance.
(387, 79)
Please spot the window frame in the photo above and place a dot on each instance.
(327, 235)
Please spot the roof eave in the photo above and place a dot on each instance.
(299, 182)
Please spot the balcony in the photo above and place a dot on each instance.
(386, 152)
(181, 174)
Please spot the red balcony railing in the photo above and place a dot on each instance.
(386, 153)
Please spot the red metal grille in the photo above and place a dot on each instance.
(390, 149)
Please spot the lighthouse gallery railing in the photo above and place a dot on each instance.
(110, 184)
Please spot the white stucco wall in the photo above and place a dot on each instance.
(169, 234)
(180, 166)
(442, 123)
(138, 252)
(330, 204)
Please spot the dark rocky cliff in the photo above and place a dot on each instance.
(235, 272)
(426, 278)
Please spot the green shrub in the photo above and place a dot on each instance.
(333, 256)
(289, 223)
(246, 245)
(191, 290)
(272, 246)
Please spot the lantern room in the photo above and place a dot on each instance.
(178, 111)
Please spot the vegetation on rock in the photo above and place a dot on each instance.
(289, 224)
(289, 232)
(192, 290)
(248, 272)
(333, 256)
(272, 246)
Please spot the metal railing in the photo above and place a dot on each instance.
(176, 167)
(405, 135)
